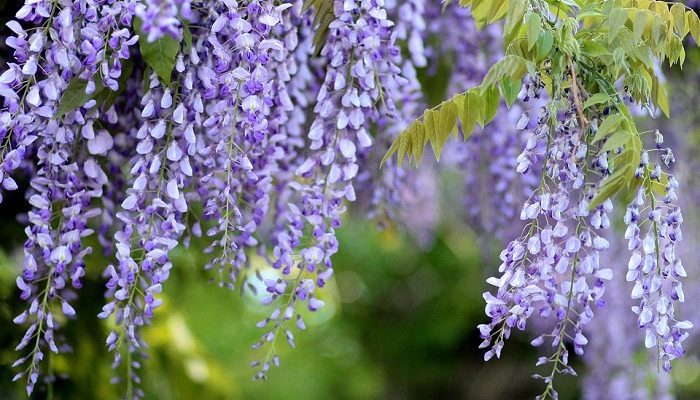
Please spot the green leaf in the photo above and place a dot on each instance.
(609, 125)
(612, 185)
(491, 98)
(74, 96)
(544, 44)
(534, 26)
(444, 121)
(513, 67)
(160, 54)
(598, 98)
(510, 88)
(618, 18)
(470, 111)
(617, 139)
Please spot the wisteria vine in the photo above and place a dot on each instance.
(582, 146)
(253, 125)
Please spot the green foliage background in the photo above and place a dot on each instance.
(399, 324)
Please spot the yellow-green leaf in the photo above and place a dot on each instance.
(595, 49)
(534, 26)
(510, 88)
(516, 12)
(694, 26)
(470, 111)
(658, 29)
(492, 98)
(678, 12)
(613, 184)
(616, 22)
(639, 24)
(497, 11)
(404, 147)
(617, 139)
(444, 119)
(598, 98)
(416, 133)
(609, 125)
(660, 97)
(513, 67)
(430, 126)
(392, 150)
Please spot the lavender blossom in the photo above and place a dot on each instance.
(360, 53)
(618, 365)
(654, 267)
(161, 17)
(554, 268)
(243, 155)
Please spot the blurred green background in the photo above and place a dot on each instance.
(400, 323)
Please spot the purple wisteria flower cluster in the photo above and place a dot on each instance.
(553, 270)
(147, 123)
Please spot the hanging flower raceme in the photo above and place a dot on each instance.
(583, 149)
(396, 192)
(55, 59)
(609, 372)
(245, 51)
(653, 232)
(553, 270)
(360, 53)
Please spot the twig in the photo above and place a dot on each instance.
(577, 96)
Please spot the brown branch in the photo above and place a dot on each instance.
(583, 122)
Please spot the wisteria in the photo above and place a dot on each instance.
(553, 269)
(608, 367)
(254, 125)
(582, 149)
(619, 365)
(360, 59)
